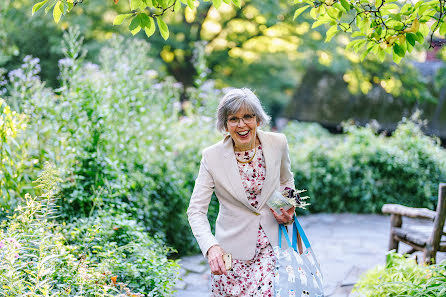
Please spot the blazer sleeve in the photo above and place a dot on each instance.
(286, 176)
(198, 208)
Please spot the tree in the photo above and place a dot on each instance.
(379, 26)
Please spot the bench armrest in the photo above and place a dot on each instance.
(411, 212)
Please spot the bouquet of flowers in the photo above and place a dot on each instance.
(286, 199)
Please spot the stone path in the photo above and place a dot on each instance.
(346, 246)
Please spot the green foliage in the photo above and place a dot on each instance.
(403, 277)
(12, 156)
(383, 27)
(119, 243)
(35, 259)
(360, 170)
(117, 133)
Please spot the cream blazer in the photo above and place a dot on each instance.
(237, 221)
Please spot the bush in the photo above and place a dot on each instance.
(35, 259)
(361, 170)
(403, 277)
(118, 134)
(118, 243)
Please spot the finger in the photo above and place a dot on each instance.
(278, 218)
(215, 268)
(285, 215)
(222, 266)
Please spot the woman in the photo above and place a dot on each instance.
(243, 169)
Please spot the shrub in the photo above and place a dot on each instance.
(403, 277)
(118, 243)
(34, 258)
(360, 170)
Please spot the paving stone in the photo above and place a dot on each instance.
(346, 245)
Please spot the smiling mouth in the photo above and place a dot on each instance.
(244, 133)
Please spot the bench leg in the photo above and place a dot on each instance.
(395, 221)
(429, 255)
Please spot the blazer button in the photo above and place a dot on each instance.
(256, 213)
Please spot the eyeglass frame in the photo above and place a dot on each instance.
(254, 116)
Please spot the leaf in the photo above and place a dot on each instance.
(396, 58)
(333, 12)
(319, 22)
(378, 3)
(443, 27)
(151, 28)
(134, 24)
(397, 49)
(164, 30)
(299, 11)
(57, 11)
(367, 51)
(38, 6)
(50, 5)
(410, 37)
(345, 4)
(331, 32)
(135, 4)
(120, 18)
(419, 37)
(191, 4)
(217, 3)
(381, 55)
(237, 3)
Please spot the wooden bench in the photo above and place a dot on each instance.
(428, 241)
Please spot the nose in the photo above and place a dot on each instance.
(241, 122)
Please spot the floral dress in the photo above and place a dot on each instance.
(253, 277)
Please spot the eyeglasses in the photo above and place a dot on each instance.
(247, 119)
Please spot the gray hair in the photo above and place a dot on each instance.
(235, 100)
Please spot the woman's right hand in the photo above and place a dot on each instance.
(215, 260)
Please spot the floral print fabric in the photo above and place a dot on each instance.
(253, 277)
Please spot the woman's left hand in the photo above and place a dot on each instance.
(285, 217)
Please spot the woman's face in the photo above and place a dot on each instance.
(242, 127)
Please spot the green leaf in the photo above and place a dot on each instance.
(57, 11)
(38, 6)
(397, 49)
(333, 12)
(396, 58)
(411, 38)
(419, 37)
(331, 32)
(177, 6)
(120, 18)
(367, 51)
(345, 4)
(164, 30)
(443, 27)
(320, 22)
(134, 24)
(144, 20)
(381, 55)
(50, 5)
(314, 12)
(217, 3)
(151, 28)
(135, 4)
(237, 3)
(191, 4)
(299, 11)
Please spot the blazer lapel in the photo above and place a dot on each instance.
(268, 154)
(232, 172)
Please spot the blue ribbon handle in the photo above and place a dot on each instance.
(296, 226)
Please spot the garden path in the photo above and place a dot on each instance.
(346, 245)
